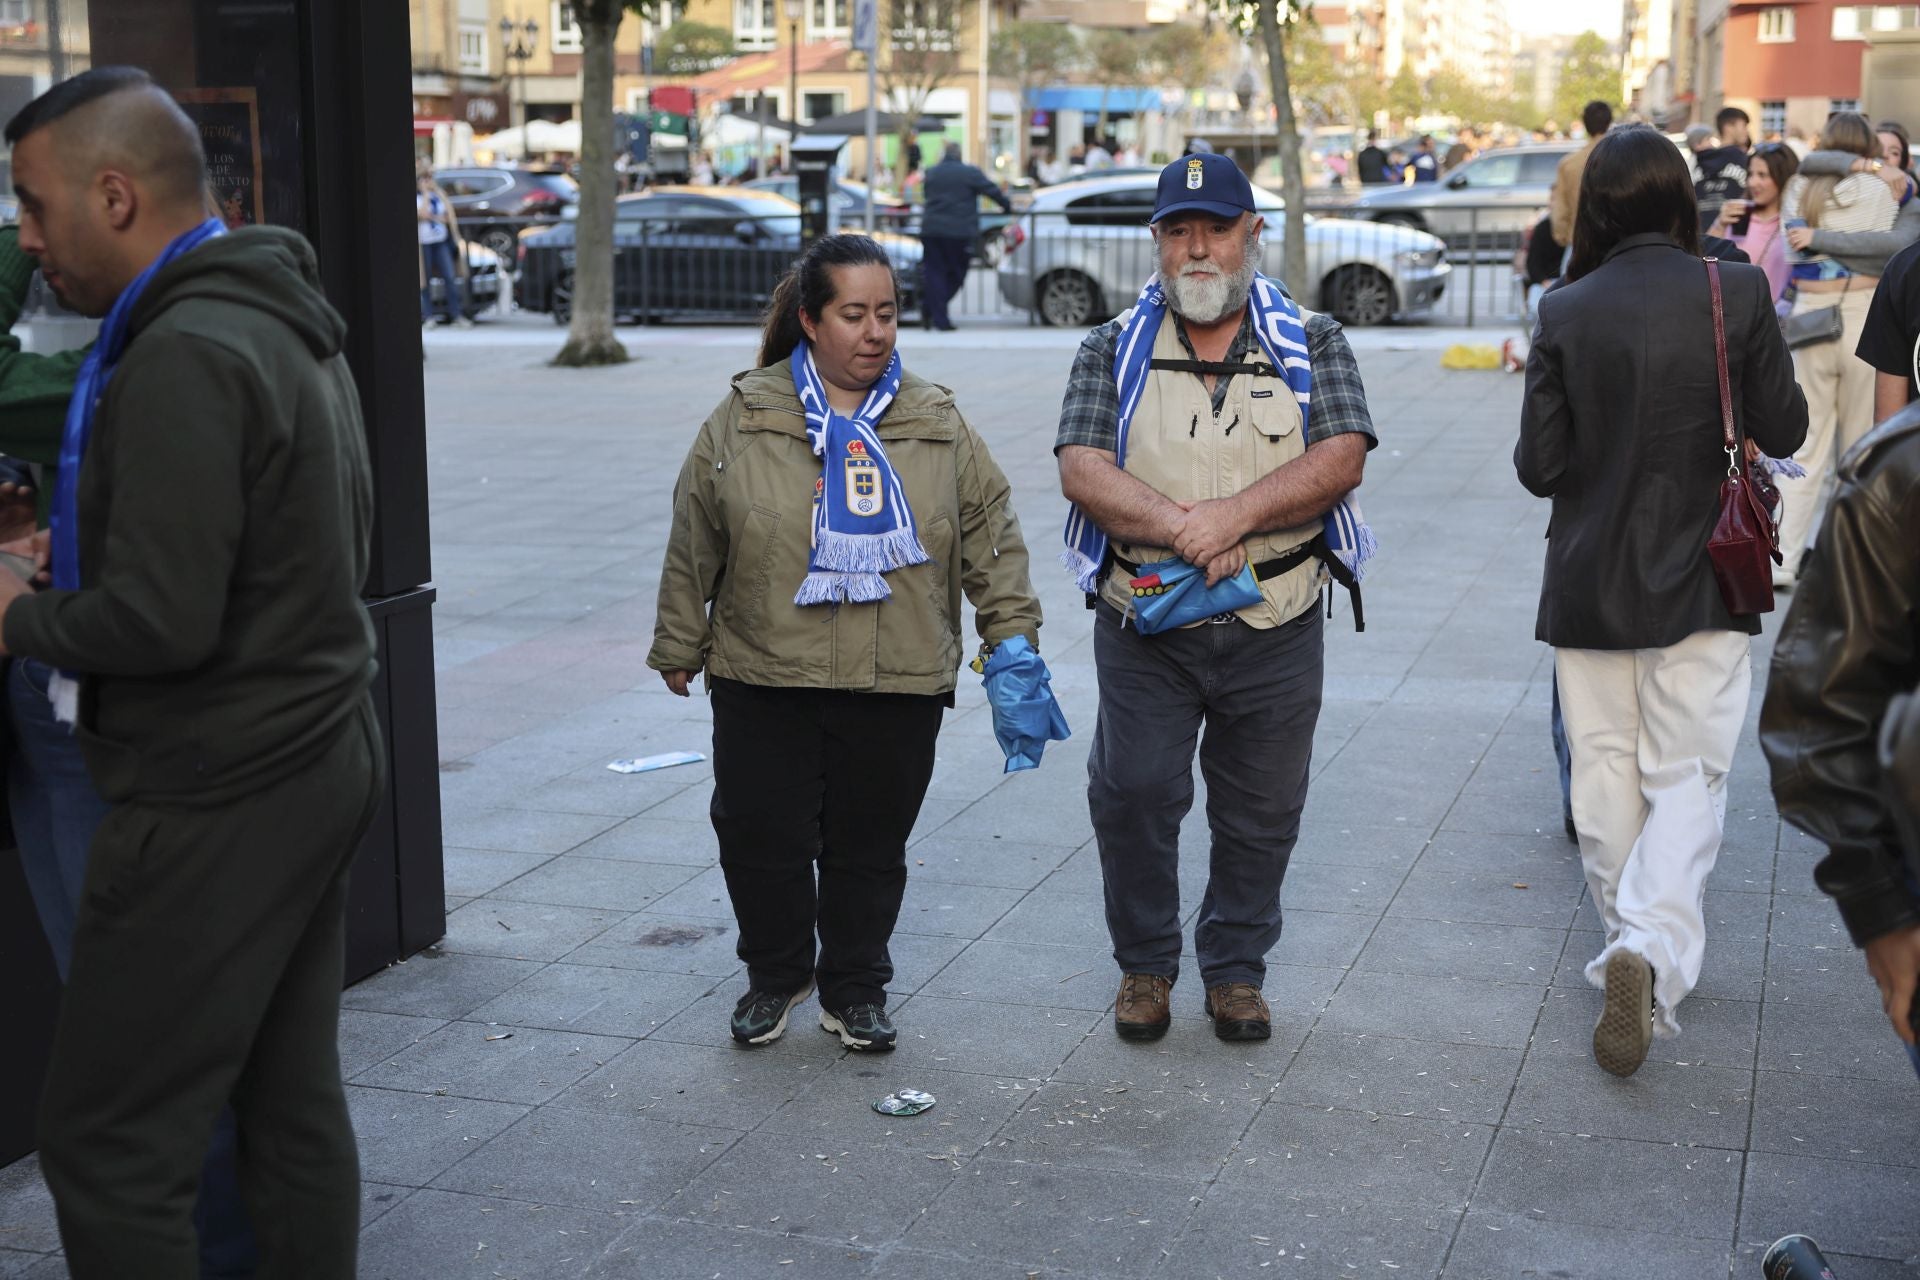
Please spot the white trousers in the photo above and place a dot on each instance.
(1653, 733)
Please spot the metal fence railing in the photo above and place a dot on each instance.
(1071, 268)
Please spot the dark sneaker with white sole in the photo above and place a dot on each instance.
(761, 1016)
(1624, 1032)
(865, 1027)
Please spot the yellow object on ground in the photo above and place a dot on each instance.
(1461, 356)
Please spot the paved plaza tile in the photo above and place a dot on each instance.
(550, 1092)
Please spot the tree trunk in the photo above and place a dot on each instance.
(1293, 180)
(590, 339)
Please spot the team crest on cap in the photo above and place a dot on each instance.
(1195, 171)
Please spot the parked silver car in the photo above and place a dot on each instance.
(1080, 253)
(1484, 206)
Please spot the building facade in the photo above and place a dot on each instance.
(1791, 66)
(792, 58)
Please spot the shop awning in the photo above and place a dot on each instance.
(1087, 98)
(753, 72)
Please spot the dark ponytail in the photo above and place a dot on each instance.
(808, 286)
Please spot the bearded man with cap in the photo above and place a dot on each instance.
(1218, 423)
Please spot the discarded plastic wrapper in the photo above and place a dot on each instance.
(907, 1102)
(647, 764)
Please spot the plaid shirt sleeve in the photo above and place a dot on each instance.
(1339, 398)
(1090, 414)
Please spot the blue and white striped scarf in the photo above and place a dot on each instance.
(862, 526)
(1276, 323)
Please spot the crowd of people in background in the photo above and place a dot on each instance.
(1817, 340)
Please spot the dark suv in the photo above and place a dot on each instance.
(495, 202)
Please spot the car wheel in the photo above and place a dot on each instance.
(1359, 295)
(1069, 300)
(502, 241)
(561, 301)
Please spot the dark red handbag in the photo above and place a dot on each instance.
(1745, 537)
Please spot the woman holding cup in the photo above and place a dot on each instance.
(1753, 223)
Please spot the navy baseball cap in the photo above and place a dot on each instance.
(1210, 183)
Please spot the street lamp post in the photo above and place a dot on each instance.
(517, 42)
(794, 9)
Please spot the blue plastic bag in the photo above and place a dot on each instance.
(1025, 714)
(1171, 593)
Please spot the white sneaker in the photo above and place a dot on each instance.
(431, 322)
(463, 323)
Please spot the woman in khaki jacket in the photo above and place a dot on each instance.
(879, 515)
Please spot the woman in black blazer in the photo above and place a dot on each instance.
(1621, 428)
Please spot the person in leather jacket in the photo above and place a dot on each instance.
(1848, 646)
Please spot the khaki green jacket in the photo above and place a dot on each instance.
(742, 520)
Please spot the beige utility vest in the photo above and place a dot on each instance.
(1181, 447)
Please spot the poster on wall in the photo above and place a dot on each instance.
(229, 122)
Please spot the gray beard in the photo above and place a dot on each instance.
(1213, 299)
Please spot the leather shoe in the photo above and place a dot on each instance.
(1239, 1012)
(1142, 1011)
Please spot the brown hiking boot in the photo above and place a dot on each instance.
(1239, 1012)
(1142, 1011)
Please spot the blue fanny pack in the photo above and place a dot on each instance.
(1172, 593)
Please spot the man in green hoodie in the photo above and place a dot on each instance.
(210, 537)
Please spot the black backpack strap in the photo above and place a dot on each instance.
(1342, 575)
(1217, 367)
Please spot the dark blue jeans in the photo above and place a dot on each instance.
(438, 260)
(1563, 752)
(943, 266)
(55, 810)
(1257, 694)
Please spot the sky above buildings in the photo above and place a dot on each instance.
(1564, 17)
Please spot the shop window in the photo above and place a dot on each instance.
(756, 24)
(16, 13)
(1773, 118)
(818, 106)
(474, 45)
(830, 17)
(1857, 21)
(566, 30)
(1836, 105)
(1776, 26)
(924, 24)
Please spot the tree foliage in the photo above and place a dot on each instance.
(688, 48)
(1589, 74)
(1116, 62)
(1033, 55)
(922, 40)
(1278, 23)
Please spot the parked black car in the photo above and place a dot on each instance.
(706, 252)
(890, 212)
(495, 202)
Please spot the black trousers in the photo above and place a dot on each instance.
(943, 265)
(805, 776)
(206, 968)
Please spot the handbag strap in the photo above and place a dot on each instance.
(1730, 435)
